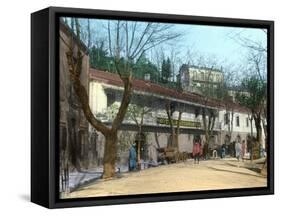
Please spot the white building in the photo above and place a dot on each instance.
(192, 78)
(105, 93)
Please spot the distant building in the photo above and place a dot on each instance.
(194, 79)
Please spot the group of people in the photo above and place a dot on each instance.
(240, 150)
(197, 152)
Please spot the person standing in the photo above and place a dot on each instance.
(197, 150)
(132, 157)
(223, 149)
(237, 149)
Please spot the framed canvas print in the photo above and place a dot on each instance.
(138, 107)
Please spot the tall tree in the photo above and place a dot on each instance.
(171, 108)
(143, 67)
(252, 96)
(126, 42)
(166, 70)
(208, 92)
(137, 112)
(257, 61)
(225, 94)
(99, 58)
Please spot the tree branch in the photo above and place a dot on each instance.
(124, 103)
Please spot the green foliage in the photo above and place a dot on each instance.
(222, 93)
(144, 66)
(166, 70)
(253, 94)
(99, 59)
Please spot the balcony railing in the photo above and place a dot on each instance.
(161, 119)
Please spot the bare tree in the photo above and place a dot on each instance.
(255, 84)
(208, 91)
(248, 42)
(227, 99)
(171, 108)
(126, 44)
(256, 66)
(256, 60)
(156, 136)
(137, 110)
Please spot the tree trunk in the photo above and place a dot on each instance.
(265, 131)
(259, 134)
(178, 130)
(109, 159)
(251, 140)
(206, 144)
(206, 127)
(231, 125)
(264, 169)
(75, 70)
(258, 142)
(156, 139)
(257, 120)
(139, 147)
(172, 140)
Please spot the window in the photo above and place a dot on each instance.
(247, 122)
(197, 112)
(111, 98)
(202, 76)
(226, 118)
(237, 121)
(217, 78)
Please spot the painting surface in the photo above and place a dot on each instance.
(150, 107)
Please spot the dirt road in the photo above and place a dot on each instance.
(175, 177)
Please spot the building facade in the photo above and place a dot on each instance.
(75, 148)
(105, 93)
(193, 78)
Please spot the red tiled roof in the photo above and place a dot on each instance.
(147, 86)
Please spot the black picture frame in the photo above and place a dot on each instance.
(45, 110)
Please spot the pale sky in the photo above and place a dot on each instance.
(219, 42)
